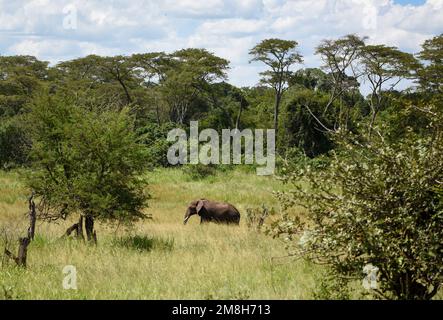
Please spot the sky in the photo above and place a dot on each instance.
(58, 30)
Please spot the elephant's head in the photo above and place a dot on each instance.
(194, 208)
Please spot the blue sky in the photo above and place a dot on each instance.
(413, 2)
(57, 30)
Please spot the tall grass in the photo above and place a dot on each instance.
(159, 258)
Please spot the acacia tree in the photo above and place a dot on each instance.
(20, 78)
(384, 67)
(120, 69)
(340, 59)
(188, 76)
(105, 76)
(279, 55)
(431, 74)
(85, 162)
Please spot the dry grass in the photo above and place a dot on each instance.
(160, 258)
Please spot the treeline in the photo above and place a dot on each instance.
(164, 91)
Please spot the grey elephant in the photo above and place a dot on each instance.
(211, 211)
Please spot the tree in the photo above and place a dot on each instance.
(86, 162)
(103, 77)
(384, 67)
(120, 69)
(190, 74)
(376, 203)
(279, 55)
(340, 58)
(431, 74)
(13, 143)
(313, 79)
(302, 129)
(226, 105)
(20, 78)
(149, 70)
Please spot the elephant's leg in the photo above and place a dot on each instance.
(203, 220)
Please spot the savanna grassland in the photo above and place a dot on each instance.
(159, 258)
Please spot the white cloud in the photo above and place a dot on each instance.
(228, 28)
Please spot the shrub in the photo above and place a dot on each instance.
(376, 203)
(255, 217)
(144, 243)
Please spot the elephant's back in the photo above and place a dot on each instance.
(229, 209)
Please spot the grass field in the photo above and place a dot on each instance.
(159, 258)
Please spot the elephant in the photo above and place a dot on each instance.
(211, 211)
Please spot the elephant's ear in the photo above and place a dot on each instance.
(200, 206)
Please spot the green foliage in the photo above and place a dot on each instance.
(302, 129)
(85, 161)
(190, 73)
(153, 136)
(313, 79)
(13, 147)
(279, 56)
(329, 286)
(20, 77)
(431, 75)
(200, 171)
(375, 203)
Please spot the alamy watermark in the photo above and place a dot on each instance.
(370, 281)
(70, 20)
(70, 280)
(217, 150)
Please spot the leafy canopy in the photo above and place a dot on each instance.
(85, 161)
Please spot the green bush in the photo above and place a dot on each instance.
(153, 136)
(13, 146)
(376, 203)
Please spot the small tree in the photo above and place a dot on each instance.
(376, 203)
(85, 162)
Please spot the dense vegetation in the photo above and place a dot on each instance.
(367, 169)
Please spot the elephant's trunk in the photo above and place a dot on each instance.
(187, 216)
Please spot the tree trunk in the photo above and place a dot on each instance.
(125, 89)
(372, 122)
(237, 122)
(89, 227)
(32, 218)
(78, 228)
(20, 260)
(157, 112)
(276, 113)
(23, 251)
